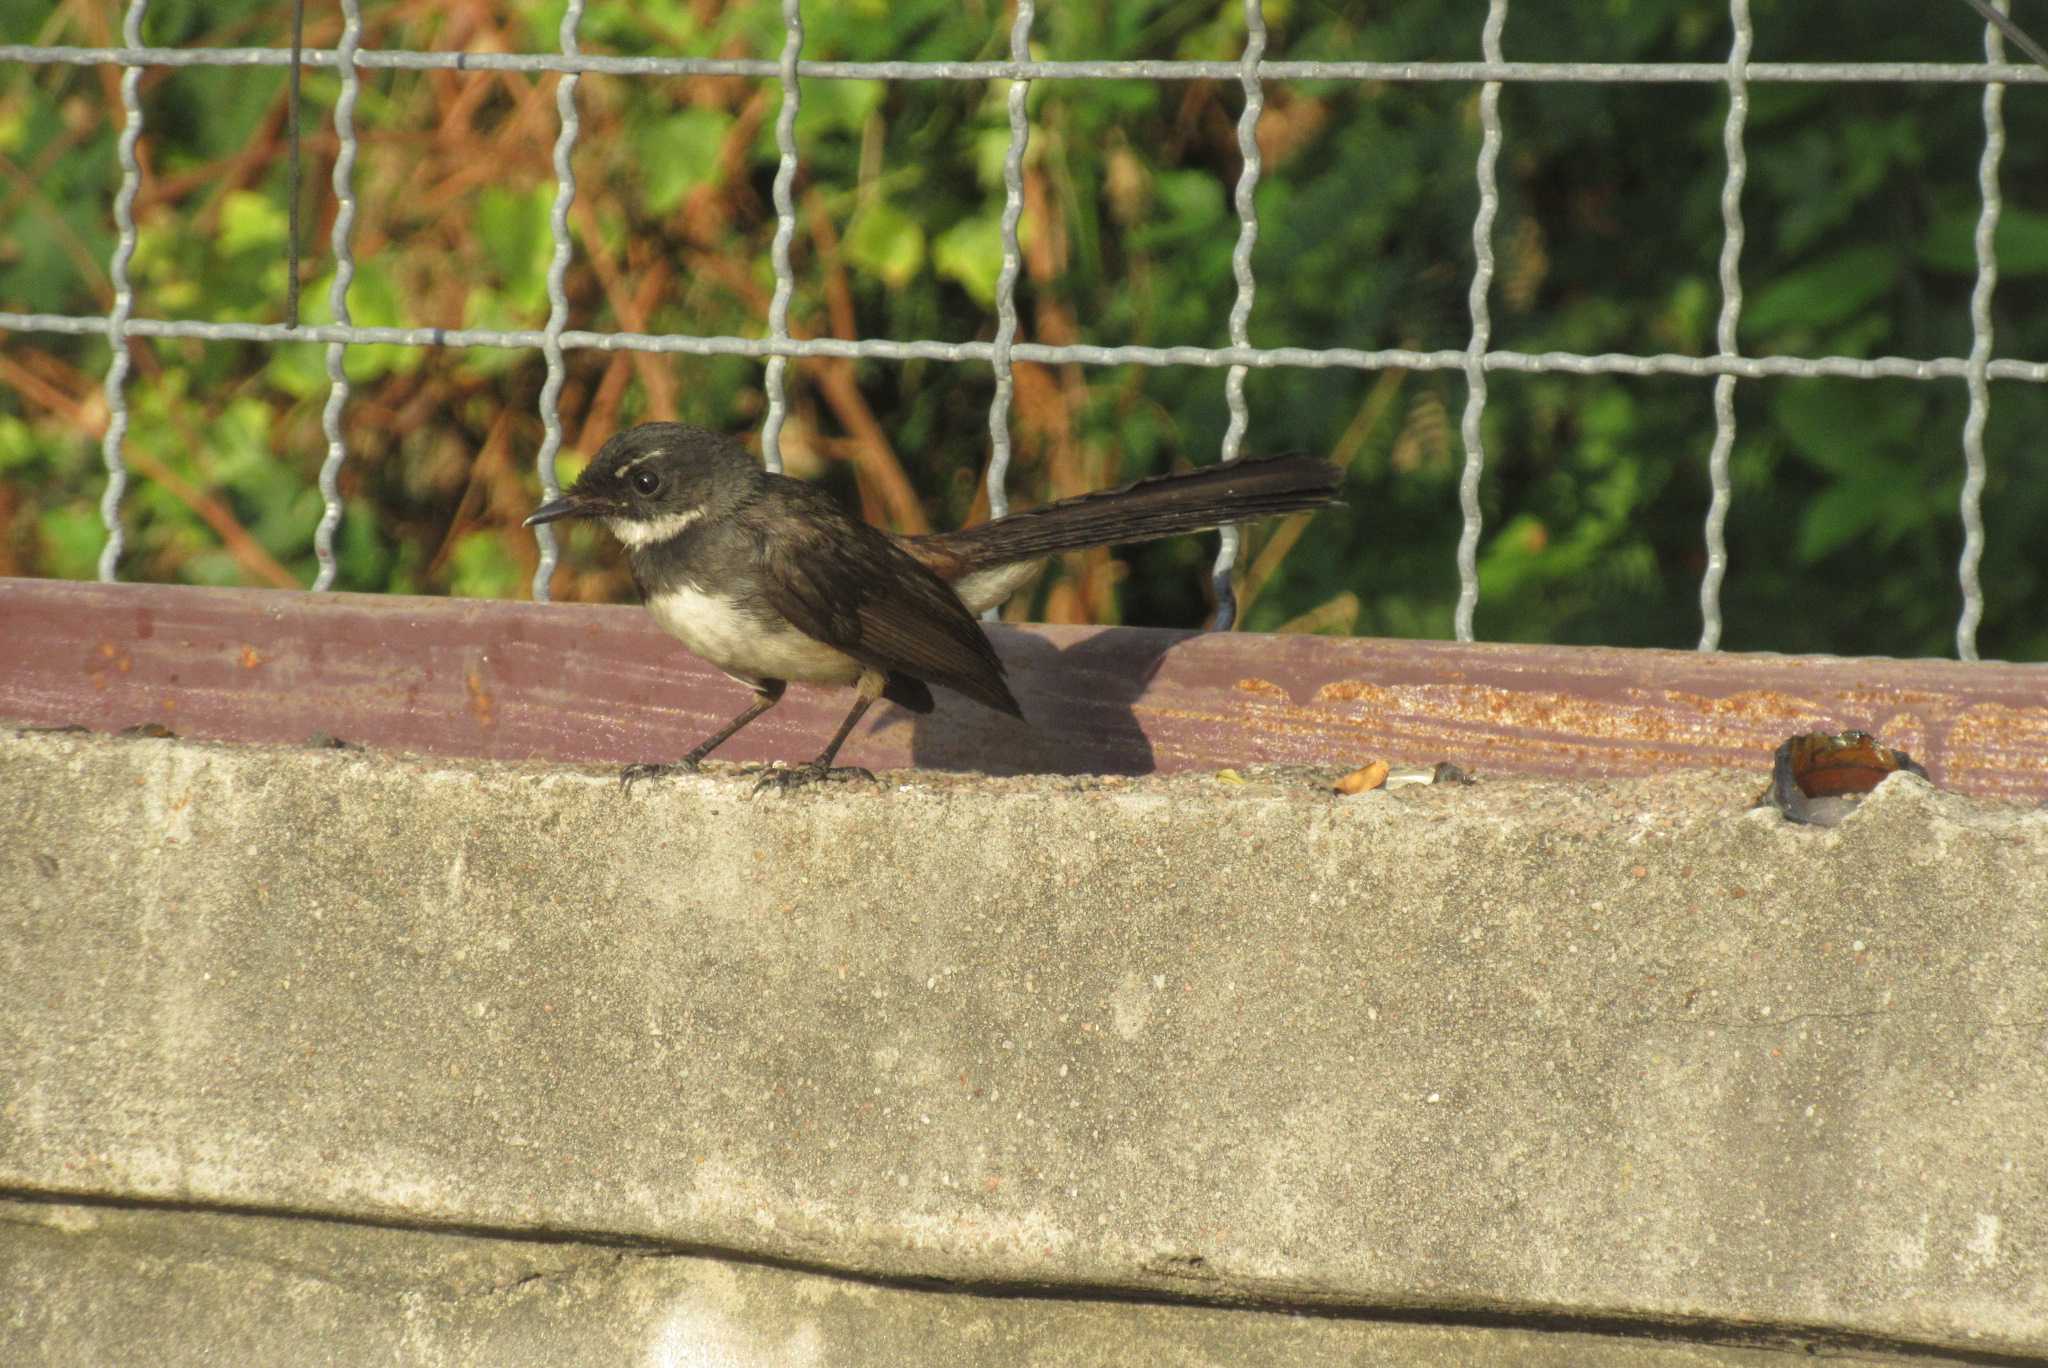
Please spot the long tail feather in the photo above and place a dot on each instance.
(1242, 491)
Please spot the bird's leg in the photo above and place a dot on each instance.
(766, 695)
(871, 685)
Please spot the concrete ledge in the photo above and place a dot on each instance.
(1622, 1051)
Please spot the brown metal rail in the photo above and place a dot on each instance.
(593, 685)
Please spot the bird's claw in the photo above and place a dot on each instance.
(813, 773)
(632, 774)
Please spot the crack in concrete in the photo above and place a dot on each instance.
(1792, 1339)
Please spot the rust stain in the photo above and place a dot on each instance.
(251, 658)
(109, 654)
(1625, 714)
(480, 706)
(1906, 731)
(1265, 688)
(1354, 691)
(1754, 705)
(1878, 698)
(1991, 728)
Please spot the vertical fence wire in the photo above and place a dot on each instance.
(1006, 278)
(1469, 432)
(785, 233)
(124, 299)
(1249, 77)
(293, 190)
(1980, 351)
(1732, 234)
(558, 300)
(337, 294)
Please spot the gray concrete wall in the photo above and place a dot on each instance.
(494, 1063)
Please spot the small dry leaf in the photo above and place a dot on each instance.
(1363, 778)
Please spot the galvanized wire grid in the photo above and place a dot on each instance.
(1251, 71)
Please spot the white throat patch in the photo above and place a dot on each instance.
(638, 533)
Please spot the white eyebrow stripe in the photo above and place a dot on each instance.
(639, 532)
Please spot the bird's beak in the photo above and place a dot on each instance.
(568, 506)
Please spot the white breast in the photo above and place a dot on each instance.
(747, 648)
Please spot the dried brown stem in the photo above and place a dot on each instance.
(1385, 390)
(876, 466)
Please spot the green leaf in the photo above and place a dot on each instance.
(887, 243)
(971, 253)
(373, 302)
(18, 448)
(485, 308)
(680, 153)
(1514, 554)
(513, 225)
(1835, 426)
(1828, 292)
(991, 151)
(1844, 512)
(216, 568)
(569, 466)
(480, 567)
(298, 369)
(2020, 244)
(1186, 207)
(829, 105)
(251, 222)
(363, 558)
(72, 538)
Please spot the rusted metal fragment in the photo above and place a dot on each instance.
(603, 685)
(1817, 778)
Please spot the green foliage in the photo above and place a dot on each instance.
(1861, 210)
(884, 242)
(680, 152)
(971, 253)
(2021, 242)
(482, 569)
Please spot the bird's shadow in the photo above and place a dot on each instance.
(1079, 697)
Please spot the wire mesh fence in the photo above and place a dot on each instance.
(1252, 73)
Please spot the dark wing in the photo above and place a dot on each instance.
(851, 586)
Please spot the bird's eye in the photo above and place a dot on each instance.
(646, 481)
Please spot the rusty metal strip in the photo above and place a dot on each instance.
(602, 685)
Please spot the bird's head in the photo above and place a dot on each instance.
(650, 482)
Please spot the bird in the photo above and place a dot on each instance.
(771, 580)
